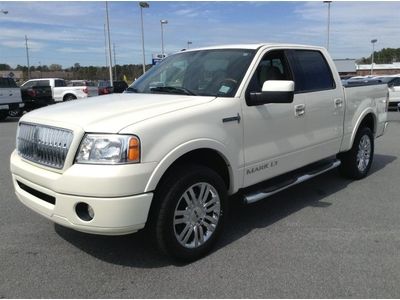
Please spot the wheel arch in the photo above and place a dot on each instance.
(203, 153)
(367, 119)
(68, 94)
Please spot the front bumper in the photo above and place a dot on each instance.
(116, 211)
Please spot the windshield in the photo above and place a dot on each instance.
(201, 73)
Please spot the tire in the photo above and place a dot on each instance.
(357, 162)
(180, 215)
(69, 97)
(3, 115)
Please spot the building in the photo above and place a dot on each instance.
(379, 69)
(346, 67)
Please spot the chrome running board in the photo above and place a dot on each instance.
(267, 192)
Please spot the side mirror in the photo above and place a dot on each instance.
(273, 91)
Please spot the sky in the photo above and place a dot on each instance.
(73, 32)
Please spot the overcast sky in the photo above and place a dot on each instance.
(70, 32)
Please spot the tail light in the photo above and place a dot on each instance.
(86, 90)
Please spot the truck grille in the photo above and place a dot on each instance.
(44, 145)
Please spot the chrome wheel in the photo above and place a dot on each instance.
(364, 153)
(196, 215)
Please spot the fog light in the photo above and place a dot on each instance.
(84, 211)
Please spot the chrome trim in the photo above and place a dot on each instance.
(42, 144)
(259, 195)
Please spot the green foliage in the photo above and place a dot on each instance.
(4, 67)
(384, 56)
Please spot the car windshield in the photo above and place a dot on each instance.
(203, 73)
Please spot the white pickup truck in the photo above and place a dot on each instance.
(10, 98)
(200, 126)
(59, 89)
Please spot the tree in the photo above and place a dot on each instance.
(55, 67)
(4, 67)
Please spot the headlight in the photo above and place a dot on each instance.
(108, 149)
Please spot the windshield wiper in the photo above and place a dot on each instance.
(172, 90)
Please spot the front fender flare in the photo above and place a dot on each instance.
(183, 149)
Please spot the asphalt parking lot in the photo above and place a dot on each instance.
(328, 237)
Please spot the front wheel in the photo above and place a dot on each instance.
(357, 162)
(191, 212)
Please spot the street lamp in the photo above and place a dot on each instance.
(109, 46)
(4, 11)
(162, 22)
(143, 5)
(189, 43)
(373, 50)
(329, 23)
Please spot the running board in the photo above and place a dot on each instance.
(269, 191)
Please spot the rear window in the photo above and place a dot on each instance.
(311, 71)
(58, 83)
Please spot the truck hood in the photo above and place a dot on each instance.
(111, 113)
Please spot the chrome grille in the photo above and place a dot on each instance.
(44, 144)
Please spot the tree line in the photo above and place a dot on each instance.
(384, 56)
(131, 71)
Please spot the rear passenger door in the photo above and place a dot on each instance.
(322, 99)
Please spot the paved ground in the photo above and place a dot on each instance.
(328, 237)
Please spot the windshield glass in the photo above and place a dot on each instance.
(202, 73)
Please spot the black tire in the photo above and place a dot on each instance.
(169, 199)
(3, 115)
(351, 166)
(69, 97)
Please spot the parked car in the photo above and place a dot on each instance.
(119, 86)
(59, 89)
(88, 87)
(393, 83)
(36, 94)
(10, 98)
(245, 120)
(105, 87)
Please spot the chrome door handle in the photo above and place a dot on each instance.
(338, 102)
(300, 110)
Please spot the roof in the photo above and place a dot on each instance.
(253, 46)
(393, 66)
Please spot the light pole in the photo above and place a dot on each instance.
(329, 23)
(373, 50)
(162, 22)
(189, 43)
(143, 5)
(27, 57)
(109, 47)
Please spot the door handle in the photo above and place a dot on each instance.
(300, 110)
(338, 102)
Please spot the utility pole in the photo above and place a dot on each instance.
(143, 5)
(105, 44)
(27, 57)
(109, 47)
(329, 23)
(115, 64)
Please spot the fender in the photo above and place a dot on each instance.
(358, 123)
(187, 147)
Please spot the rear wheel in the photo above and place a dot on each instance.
(190, 212)
(3, 115)
(69, 97)
(357, 162)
